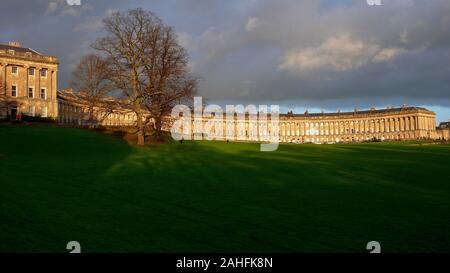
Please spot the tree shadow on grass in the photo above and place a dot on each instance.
(49, 172)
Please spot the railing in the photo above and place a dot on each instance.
(28, 55)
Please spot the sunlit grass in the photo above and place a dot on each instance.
(61, 184)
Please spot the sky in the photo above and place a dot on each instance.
(300, 54)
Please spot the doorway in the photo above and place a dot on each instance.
(13, 113)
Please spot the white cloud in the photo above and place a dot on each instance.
(214, 43)
(52, 6)
(338, 53)
(94, 24)
(252, 24)
(388, 54)
(62, 8)
(187, 41)
(89, 26)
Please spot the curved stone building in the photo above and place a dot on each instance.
(403, 123)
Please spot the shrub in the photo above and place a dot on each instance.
(38, 119)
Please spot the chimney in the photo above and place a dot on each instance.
(15, 44)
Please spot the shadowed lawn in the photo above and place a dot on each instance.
(60, 184)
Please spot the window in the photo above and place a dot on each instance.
(14, 91)
(31, 92)
(44, 73)
(44, 112)
(43, 94)
(14, 70)
(31, 111)
(31, 71)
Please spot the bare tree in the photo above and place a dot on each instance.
(147, 64)
(124, 45)
(167, 80)
(91, 79)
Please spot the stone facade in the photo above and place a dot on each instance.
(443, 131)
(73, 110)
(28, 82)
(404, 123)
(110, 112)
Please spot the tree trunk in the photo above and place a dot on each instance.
(91, 118)
(158, 125)
(140, 129)
(137, 109)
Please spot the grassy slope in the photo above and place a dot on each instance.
(59, 184)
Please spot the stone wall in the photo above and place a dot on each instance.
(34, 95)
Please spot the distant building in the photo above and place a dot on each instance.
(403, 123)
(110, 112)
(28, 82)
(444, 125)
(73, 109)
(444, 130)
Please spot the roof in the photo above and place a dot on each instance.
(18, 49)
(26, 54)
(444, 124)
(81, 98)
(365, 112)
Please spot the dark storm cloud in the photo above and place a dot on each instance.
(292, 50)
(324, 52)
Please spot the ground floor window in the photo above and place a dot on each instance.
(14, 91)
(43, 94)
(44, 112)
(31, 92)
(31, 111)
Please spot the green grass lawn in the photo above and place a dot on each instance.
(61, 184)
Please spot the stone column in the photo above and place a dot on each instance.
(4, 84)
(38, 87)
(27, 84)
(416, 123)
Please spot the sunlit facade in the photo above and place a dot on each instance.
(28, 82)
